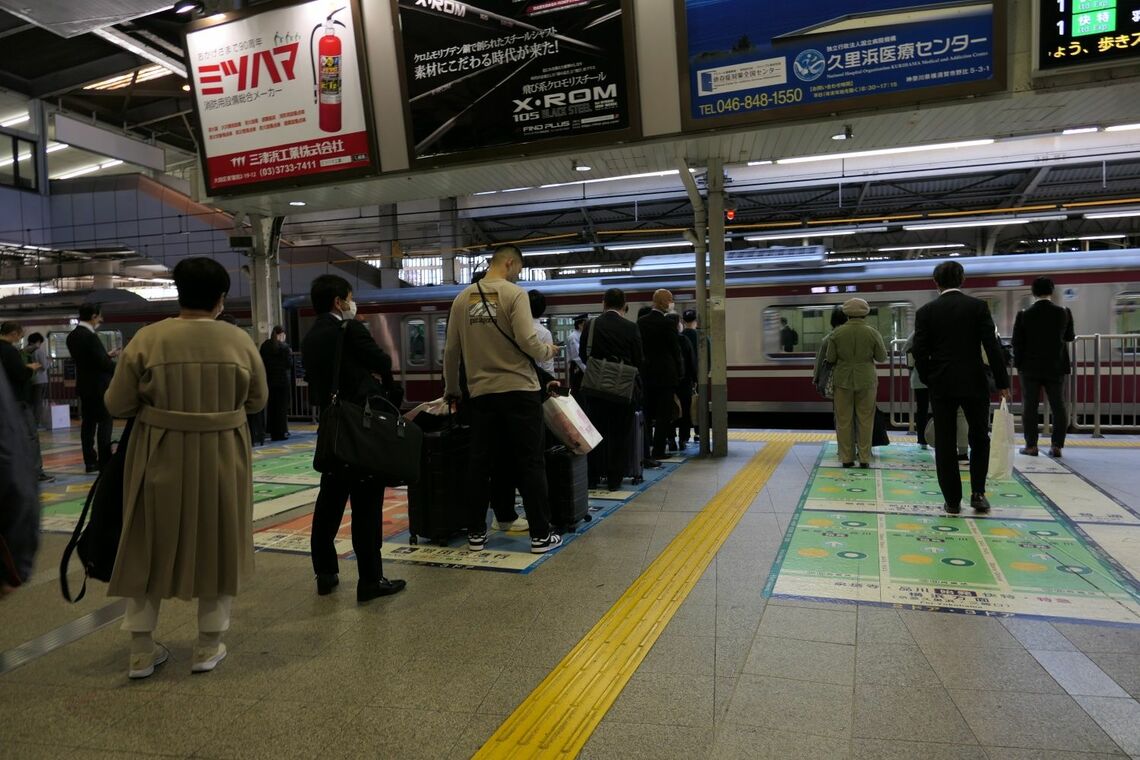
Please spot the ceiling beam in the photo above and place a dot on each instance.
(141, 49)
(61, 82)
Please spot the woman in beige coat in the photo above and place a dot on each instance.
(187, 492)
(854, 348)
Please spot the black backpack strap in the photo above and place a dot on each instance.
(73, 543)
(538, 373)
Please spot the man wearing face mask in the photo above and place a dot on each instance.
(365, 370)
(663, 369)
(491, 331)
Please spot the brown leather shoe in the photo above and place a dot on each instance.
(1030, 451)
(1055, 452)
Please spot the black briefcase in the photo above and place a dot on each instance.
(370, 440)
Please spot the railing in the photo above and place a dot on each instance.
(1104, 389)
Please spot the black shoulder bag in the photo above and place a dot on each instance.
(98, 540)
(605, 378)
(373, 440)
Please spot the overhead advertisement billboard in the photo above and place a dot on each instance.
(752, 60)
(501, 77)
(281, 96)
(1086, 33)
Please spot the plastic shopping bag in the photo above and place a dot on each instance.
(1001, 444)
(570, 425)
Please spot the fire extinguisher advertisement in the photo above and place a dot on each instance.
(495, 76)
(280, 96)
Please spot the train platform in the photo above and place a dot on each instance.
(766, 605)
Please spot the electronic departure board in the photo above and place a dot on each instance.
(1072, 33)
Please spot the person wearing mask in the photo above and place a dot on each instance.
(187, 531)
(37, 353)
(574, 354)
(613, 337)
(491, 332)
(685, 388)
(664, 369)
(854, 348)
(94, 366)
(19, 372)
(1040, 337)
(365, 371)
(788, 336)
(537, 311)
(19, 496)
(278, 359)
(950, 334)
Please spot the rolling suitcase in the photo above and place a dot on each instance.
(567, 482)
(636, 468)
(436, 500)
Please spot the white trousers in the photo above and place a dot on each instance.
(213, 614)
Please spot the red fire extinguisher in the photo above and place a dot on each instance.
(327, 88)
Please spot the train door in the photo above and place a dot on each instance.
(560, 326)
(423, 341)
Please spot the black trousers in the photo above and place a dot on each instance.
(507, 429)
(95, 428)
(610, 459)
(922, 412)
(367, 496)
(977, 411)
(1030, 400)
(660, 406)
(277, 412)
(39, 395)
(685, 424)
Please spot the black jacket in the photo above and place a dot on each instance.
(663, 364)
(689, 359)
(950, 334)
(19, 497)
(361, 358)
(93, 366)
(278, 360)
(16, 370)
(615, 338)
(1039, 337)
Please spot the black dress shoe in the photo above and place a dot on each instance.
(952, 509)
(848, 464)
(369, 591)
(979, 503)
(865, 465)
(326, 584)
(91, 468)
(650, 464)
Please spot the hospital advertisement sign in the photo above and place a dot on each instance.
(280, 96)
(750, 60)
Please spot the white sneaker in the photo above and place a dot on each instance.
(520, 525)
(143, 665)
(205, 660)
(543, 545)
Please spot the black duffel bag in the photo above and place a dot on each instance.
(369, 440)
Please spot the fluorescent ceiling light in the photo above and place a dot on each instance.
(644, 175)
(647, 246)
(984, 222)
(125, 80)
(78, 172)
(15, 120)
(939, 246)
(486, 192)
(888, 151)
(1122, 128)
(109, 164)
(557, 251)
(1102, 237)
(1113, 214)
(760, 163)
(296, 203)
(810, 233)
(125, 41)
(56, 147)
(1080, 130)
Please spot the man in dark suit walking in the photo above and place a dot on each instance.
(611, 336)
(663, 368)
(1040, 335)
(950, 334)
(93, 370)
(365, 370)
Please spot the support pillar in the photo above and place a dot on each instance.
(699, 240)
(389, 247)
(716, 307)
(265, 276)
(449, 242)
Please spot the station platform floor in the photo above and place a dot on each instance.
(765, 605)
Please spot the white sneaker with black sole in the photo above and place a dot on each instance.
(476, 542)
(543, 545)
(520, 525)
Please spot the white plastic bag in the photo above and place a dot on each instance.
(1001, 444)
(439, 407)
(570, 425)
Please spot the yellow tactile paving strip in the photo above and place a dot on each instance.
(808, 437)
(559, 716)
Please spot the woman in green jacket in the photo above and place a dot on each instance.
(853, 349)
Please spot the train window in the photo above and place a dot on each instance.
(440, 340)
(112, 340)
(415, 337)
(808, 324)
(1126, 307)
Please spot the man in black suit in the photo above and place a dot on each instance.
(1040, 335)
(19, 372)
(278, 360)
(94, 367)
(611, 336)
(950, 334)
(365, 370)
(663, 368)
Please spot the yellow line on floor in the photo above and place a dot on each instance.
(810, 437)
(560, 715)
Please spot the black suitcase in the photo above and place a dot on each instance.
(567, 483)
(436, 501)
(636, 467)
